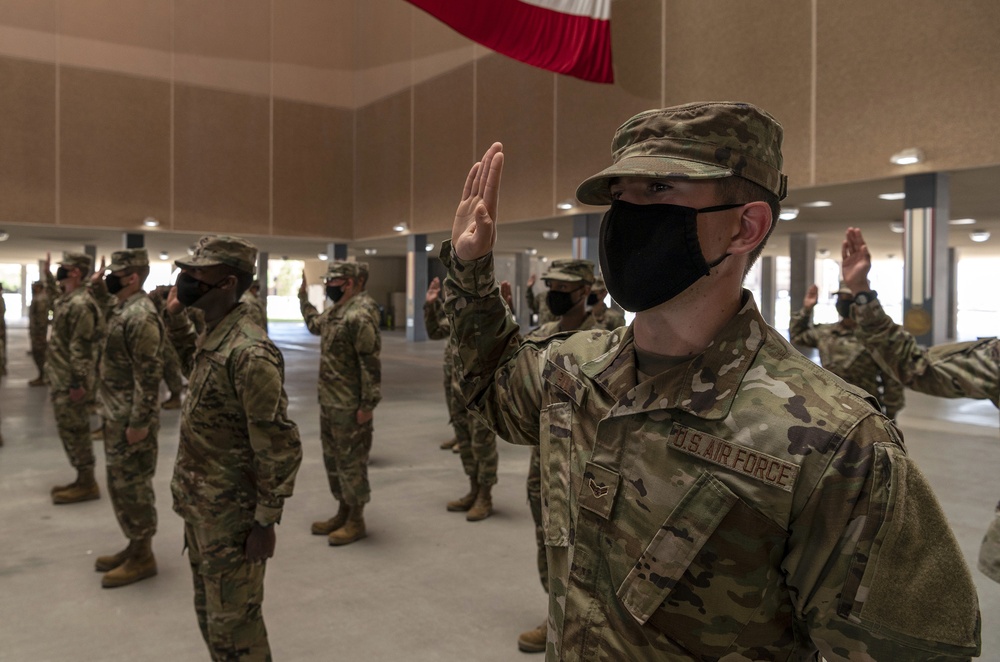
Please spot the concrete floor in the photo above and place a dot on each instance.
(424, 585)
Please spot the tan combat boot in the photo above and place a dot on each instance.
(353, 529)
(38, 381)
(173, 402)
(112, 561)
(140, 564)
(326, 527)
(448, 445)
(533, 641)
(84, 489)
(463, 504)
(483, 507)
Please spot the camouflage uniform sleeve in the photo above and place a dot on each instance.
(532, 299)
(882, 578)
(893, 394)
(959, 370)
(85, 333)
(310, 315)
(105, 302)
(499, 382)
(367, 345)
(258, 377)
(144, 337)
(801, 330)
(436, 321)
(181, 334)
(51, 286)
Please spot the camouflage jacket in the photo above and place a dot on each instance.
(255, 309)
(372, 307)
(843, 354)
(77, 336)
(438, 327)
(957, 370)
(611, 320)
(132, 363)
(744, 505)
(38, 316)
(238, 452)
(538, 305)
(552, 328)
(350, 371)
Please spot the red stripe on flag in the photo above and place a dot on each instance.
(577, 46)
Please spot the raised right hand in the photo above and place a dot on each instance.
(474, 232)
(856, 261)
(304, 287)
(812, 296)
(433, 290)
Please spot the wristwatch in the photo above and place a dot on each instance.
(861, 298)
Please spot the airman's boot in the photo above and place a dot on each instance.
(173, 402)
(353, 529)
(38, 381)
(463, 504)
(84, 489)
(326, 527)
(483, 506)
(533, 641)
(112, 561)
(447, 445)
(140, 564)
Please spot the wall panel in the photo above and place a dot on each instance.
(382, 188)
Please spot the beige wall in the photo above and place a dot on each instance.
(336, 119)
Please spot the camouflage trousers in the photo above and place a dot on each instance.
(989, 552)
(73, 423)
(346, 446)
(172, 369)
(535, 504)
(228, 592)
(130, 479)
(477, 446)
(39, 345)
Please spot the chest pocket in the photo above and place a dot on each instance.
(200, 385)
(708, 571)
(555, 440)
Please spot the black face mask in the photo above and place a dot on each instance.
(650, 253)
(559, 302)
(62, 273)
(113, 283)
(190, 289)
(844, 307)
(334, 292)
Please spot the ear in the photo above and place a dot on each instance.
(755, 223)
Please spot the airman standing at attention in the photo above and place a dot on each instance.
(129, 395)
(350, 386)
(238, 452)
(38, 329)
(255, 304)
(171, 362)
(604, 316)
(707, 491)
(536, 303)
(70, 370)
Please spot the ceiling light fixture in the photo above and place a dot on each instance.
(566, 205)
(551, 235)
(429, 247)
(907, 156)
(400, 227)
(323, 256)
(892, 196)
(897, 227)
(371, 251)
(164, 255)
(962, 221)
(789, 214)
(4, 236)
(818, 203)
(531, 251)
(979, 236)
(150, 222)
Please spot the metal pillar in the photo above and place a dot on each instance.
(262, 260)
(926, 274)
(416, 286)
(802, 250)
(586, 238)
(768, 287)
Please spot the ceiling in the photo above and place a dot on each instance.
(974, 194)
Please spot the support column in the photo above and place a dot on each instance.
(768, 287)
(133, 240)
(335, 251)
(802, 250)
(926, 274)
(586, 238)
(416, 286)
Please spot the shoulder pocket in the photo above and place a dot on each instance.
(554, 437)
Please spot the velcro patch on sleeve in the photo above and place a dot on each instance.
(743, 460)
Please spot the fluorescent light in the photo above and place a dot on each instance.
(4, 236)
(164, 255)
(962, 221)
(907, 156)
(979, 236)
(566, 205)
(429, 247)
(400, 227)
(789, 214)
(150, 222)
(897, 227)
(323, 256)
(551, 235)
(818, 203)
(371, 251)
(892, 196)
(531, 251)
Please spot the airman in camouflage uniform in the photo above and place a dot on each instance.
(537, 303)
(707, 491)
(350, 386)
(128, 392)
(477, 444)
(238, 452)
(171, 362)
(38, 329)
(255, 304)
(843, 354)
(70, 368)
(607, 317)
(954, 370)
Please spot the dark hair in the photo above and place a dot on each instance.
(738, 190)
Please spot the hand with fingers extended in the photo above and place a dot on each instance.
(857, 261)
(304, 287)
(433, 290)
(98, 274)
(812, 296)
(474, 232)
(507, 293)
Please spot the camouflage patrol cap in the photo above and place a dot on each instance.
(342, 269)
(362, 270)
(705, 140)
(132, 257)
(81, 261)
(214, 250)
(572, 271)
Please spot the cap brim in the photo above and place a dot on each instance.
(563, 278)
(595, 190)
(116, 267)
(196, 263)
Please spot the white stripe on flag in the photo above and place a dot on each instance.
(597, 9)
